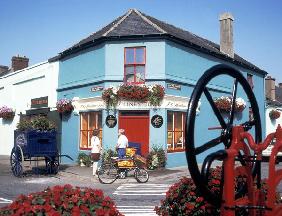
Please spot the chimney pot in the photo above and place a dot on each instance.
(19, 62)
(226, 34)
(270, 88)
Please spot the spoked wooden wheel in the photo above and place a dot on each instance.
(16, 160)
(218, 80)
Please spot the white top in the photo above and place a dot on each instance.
(122, 141)
(96, 144)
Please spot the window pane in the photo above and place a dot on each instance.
(83, 140)
(129, 73)
(84, 124)
(92, 121)
(140, 55)
(169, 140)
(140, 74)
(178, 140)
(169, 121)
(129, 55)
(178, 121)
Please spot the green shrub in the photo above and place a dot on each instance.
(156, 158)
(107, 154)
(84, 158)
(36, 123)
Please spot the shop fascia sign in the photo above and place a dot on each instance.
(96, 103)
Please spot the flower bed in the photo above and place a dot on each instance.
(6, 113)
(183, 198)
(154, 94)
(274, 114)
(64, 106)
(223, 103)
(62, 200)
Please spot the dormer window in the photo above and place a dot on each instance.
(134, 65)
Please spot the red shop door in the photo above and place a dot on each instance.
(136, 125)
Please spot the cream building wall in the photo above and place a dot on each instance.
(16, 91)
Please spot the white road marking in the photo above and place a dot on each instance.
(6, 201)
(137, 210)
(142, 190)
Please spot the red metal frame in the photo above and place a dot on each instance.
(134, 64)
(255, 196)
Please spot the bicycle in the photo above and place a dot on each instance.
(116, 168)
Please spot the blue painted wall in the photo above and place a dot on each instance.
(186, 66)
(104, 66)
(85, 67)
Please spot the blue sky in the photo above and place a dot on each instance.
(40, 29)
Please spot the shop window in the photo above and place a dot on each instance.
(88, 122)
(175, 131)
(250, 80)
(134, 65)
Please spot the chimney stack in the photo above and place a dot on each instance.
(3, 69)
(19, 62)
(280, 85)
(226, 34)
(270, 88)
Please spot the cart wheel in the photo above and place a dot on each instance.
(107, 173)
(141, 175)
(193, 147)
(52, 165)
(16, 161)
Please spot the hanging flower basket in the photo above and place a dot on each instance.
(154, 94)
(223, 103)
(274, 114)
(110, 97)
(64, 106)
(7, 113)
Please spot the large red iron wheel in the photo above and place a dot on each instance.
(204, 91)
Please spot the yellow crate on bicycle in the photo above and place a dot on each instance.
(125, 163)
(130, 152)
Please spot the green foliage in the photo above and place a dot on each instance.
(156, 158)
(37, 123)
(107, 154)
(84, 158)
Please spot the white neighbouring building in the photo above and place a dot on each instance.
(29, 91)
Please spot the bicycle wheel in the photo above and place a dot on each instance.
(141, 175)
(107, 173)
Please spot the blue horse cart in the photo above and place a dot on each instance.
(34, 145)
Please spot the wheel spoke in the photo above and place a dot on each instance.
(215, 109)
(233, 102)
(248, 125)
(210, 144)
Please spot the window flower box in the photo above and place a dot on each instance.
(154, 94)
(64, 106)
(274, 114)
(223, 103)
(7, 113)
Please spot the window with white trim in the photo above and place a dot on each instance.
(88, 122)
(175, 131)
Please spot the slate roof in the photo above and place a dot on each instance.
(135, 24)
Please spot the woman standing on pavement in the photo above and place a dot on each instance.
(96, 150)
